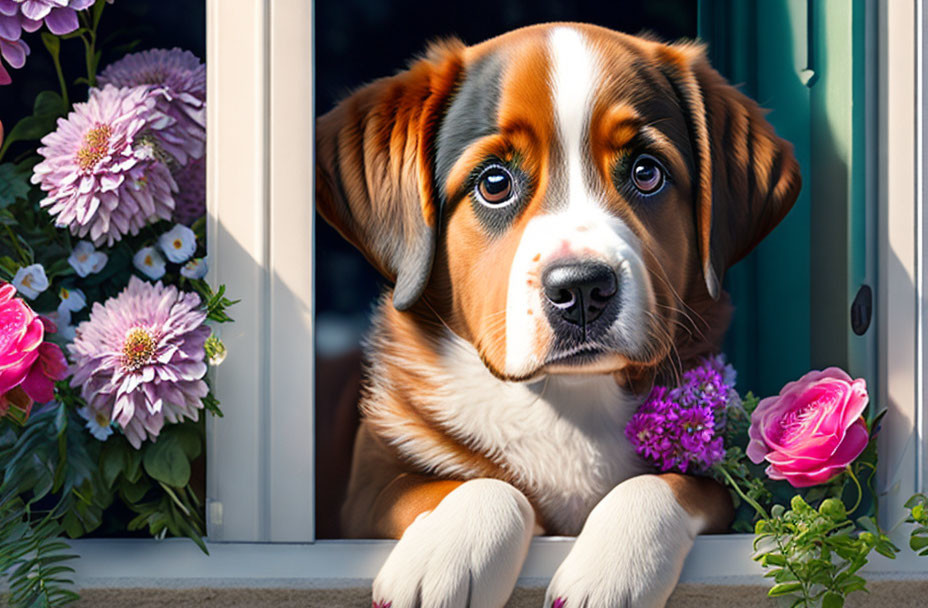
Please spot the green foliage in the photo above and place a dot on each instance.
(56, 479)
(33, 558)
(813, 555)
(918, 517)
(214, 303)
(49, 460)
(14, 184)
(48, 107)
(742, 476)
(211, 405)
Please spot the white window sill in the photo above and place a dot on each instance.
(179, 564)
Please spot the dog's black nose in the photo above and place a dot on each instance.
(579, 290)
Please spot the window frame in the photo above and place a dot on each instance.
(260, 458)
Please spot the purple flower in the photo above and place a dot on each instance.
(680, 428)
(103, 172)
(702, 386)
(17, 15)
(179, 80)
(13, 52)
(139, 359)
(190, 201)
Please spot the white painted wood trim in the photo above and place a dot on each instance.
(260, 455)
(897, 294)
(237, 221)
(291, 352)
(178, 563)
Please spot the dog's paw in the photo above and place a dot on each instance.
(467, 552)
(630, 551)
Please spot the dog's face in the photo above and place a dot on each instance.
(557, 195)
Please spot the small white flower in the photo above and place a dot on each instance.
(97, 423)
(194, 269)
(72, 299)
(85, 259)
(149, 262)
(178, 243)
(62, 320)
(31, 281)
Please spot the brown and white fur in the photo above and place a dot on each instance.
(486, 417)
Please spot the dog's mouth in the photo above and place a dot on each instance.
(585, 359)
(578, 356)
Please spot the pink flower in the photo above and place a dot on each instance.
(29, 366)
(812, 430)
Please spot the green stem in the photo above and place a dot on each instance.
(19, 250)
(174, 497)
(860, 492)
(89, 52)
(760, 510)
(64, 87)
(806, 600)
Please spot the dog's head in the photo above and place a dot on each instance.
(558, 195)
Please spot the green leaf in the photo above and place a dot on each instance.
(189, 439)
(832, 600)
(97, 12)
(773, 559)
(135, 491)
(112, 461)
(784, 589)
(49, 104)
(52, 43)
(166, 461)
(917, 543)
(48, 107)
(14, 184)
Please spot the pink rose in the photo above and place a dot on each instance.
(29, 366)
(812, 429)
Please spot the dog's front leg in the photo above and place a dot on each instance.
(466, 551)
(633, 544)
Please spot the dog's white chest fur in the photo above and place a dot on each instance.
(561, 439)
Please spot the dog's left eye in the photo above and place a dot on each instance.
(494, 186)
(647, 174)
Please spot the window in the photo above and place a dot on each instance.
(261, 454)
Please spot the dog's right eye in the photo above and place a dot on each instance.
(494, 187)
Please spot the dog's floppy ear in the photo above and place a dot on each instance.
(374, 168)
(747, 177)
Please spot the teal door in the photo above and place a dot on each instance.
(810, 62)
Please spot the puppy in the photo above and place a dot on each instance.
(555, 208)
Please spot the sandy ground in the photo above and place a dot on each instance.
(894, 594)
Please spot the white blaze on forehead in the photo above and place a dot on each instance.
(574, 79)
(575, 223)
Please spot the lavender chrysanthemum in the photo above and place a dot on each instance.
(139, 359)
(17, 16)
(103, 171)
(190, 202)
(680, 429)
(179, 78)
